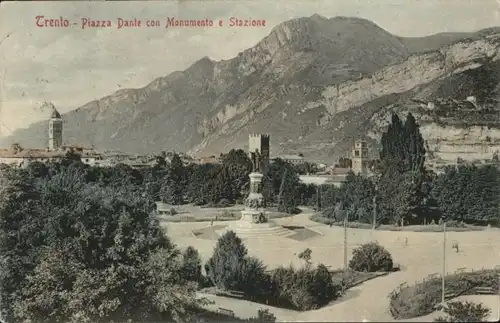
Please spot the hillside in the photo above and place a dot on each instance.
(313, 84)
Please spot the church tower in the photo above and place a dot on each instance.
(55, 130)
(360, 157)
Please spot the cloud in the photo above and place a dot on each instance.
(71, 66)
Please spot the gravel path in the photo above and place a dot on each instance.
(420, 257)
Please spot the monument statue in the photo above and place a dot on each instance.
(256, 159)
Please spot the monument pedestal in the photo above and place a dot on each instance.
(254, 222)
(248, 230)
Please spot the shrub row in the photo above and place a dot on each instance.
(306, 288)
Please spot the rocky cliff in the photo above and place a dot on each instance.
(313, 84)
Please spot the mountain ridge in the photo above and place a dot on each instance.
(212, 105)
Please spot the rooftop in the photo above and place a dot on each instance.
(45, 153)
(290, 157)
(55, 114)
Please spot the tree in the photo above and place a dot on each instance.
(468, 193)
(306, 168)
(191, 265)
(464, 312)
(356, 193)
(161, 160)
(282, 186)
(79, 251)
(230, 268)
(229, 253)
(173, 189)
(402, 169)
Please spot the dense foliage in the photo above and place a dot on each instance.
(79, 244)
(371, 257)
(468, 193)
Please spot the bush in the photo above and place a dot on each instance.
(464, 312)
(455, 224)
(371, 257)
(173, 211)
(230, 269)
(263, 316)
(224, 203)
(227, 214)
(303, 289)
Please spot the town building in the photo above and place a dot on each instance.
(18, 156)
(292, 159)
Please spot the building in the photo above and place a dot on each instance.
(292, 159)
(360, 157)
(209, 160)
(336, 177)
(55, 152)
(261, 144)
(55, 130)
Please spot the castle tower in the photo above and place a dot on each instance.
(360, 157)
(261, 143)
(55, 130)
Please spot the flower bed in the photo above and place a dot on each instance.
(385, 227)
(421, 299)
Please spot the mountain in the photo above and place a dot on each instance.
(313, 84)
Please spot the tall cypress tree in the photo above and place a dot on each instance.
(403, 170)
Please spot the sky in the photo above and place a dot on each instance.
(72, 66)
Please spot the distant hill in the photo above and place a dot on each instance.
(313, 84)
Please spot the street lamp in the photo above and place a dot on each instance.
(444, 261)
(346, 220)
(497, 268)
(374, 221)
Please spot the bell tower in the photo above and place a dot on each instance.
(55, 130)
(360, 157)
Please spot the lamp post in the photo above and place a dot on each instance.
(497, 268)
(444, 262)
(346, 219)
(374, 221)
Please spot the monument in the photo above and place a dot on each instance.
(255, 220)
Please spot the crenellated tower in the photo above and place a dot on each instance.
(261, 143)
